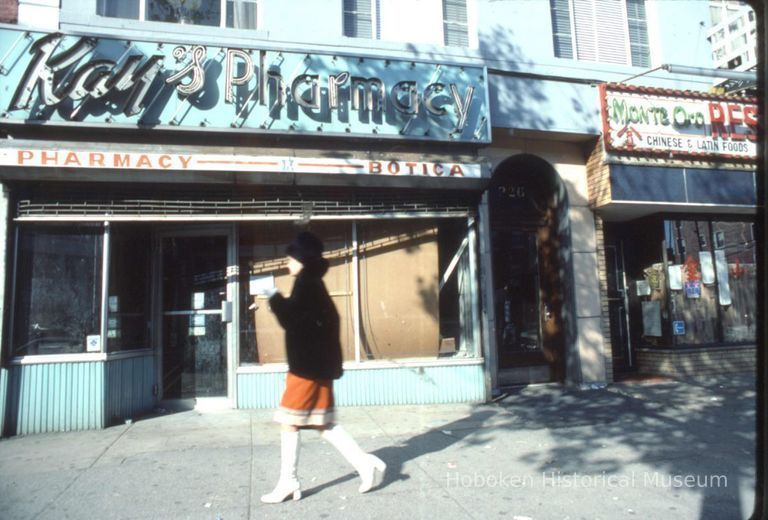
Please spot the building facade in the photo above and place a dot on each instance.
(157, 156)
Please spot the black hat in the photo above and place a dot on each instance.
(305, 247)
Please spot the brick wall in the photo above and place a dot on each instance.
(605, 320)
(598, 177)
(9, 11)
(697, 362)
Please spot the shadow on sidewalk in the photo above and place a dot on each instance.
(700, 430)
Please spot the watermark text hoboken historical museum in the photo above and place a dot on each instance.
(557, 479)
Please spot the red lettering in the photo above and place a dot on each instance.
(23, 156)
(374, 167)
(410, 166)
(735, 119)
(164, 161)
(121, 160)
(438, 169)
(749, 115)
(750, 120)
(96, 159)
(72, 159)
(424, 169)
(143, 162)
(185, 161)
(456, 170)
(393, 168)
(717, 120)
(45, 158)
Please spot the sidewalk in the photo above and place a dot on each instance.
(662, 450)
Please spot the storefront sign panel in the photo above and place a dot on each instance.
(132, 160)
(667, 123)
(86, 80)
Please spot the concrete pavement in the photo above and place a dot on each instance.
(667, 449)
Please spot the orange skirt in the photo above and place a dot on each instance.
(306, 402)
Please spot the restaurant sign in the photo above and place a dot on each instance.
(78, 80)
(134, 160)
(668, 123)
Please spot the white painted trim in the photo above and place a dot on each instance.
(232, 218)
(273, 368)
(128, 354)
(58, 358)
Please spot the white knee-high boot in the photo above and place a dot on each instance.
(288, 484)
(364, 463)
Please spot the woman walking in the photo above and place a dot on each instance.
(312, 344)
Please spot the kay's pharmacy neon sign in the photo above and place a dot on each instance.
(58, 78)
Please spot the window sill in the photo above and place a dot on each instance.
(366, 365)
(85, 357)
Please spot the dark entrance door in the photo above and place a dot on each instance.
(622, 354)
(194, 285)
(527, 286)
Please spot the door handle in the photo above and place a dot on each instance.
(547, 313)
(226, 311)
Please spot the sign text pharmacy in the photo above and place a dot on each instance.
(84, 80)
(669, 123)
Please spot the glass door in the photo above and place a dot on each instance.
(194, 311)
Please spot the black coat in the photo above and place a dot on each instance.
(311, 325)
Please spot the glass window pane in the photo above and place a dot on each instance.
(241, 14)
(128, 302)
(195, 12)
(415, 289)
(262, 254)
(118, 8)
(737, 248)
(58, 289)
(694, 300)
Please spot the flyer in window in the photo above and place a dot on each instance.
(261, 284)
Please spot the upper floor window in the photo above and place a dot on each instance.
(606, 31)
(417, 21)
(236, 14)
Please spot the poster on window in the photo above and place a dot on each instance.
(693, 289)
(723, 284)
(675, 277)
(652, 318)
(643, 288)
(707, 268)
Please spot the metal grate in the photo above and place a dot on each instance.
(289, 203)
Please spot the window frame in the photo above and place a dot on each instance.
(80, 15)
(474, 348)
(101, 311)
(470, 25)
(575, 54)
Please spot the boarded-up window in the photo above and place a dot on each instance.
(399, 300)
(262, 253)
(411, 295)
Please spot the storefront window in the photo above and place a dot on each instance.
(128, 302)
(414, 288)
(702, 292)
(262, 256)
(58, 289)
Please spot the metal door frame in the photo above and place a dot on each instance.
(232, 327)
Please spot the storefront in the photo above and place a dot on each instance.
(151, 186)
(145, 204)
(674, 188)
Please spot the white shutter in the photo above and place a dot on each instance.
(612, 45)
(358, 18)
(585, 29)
